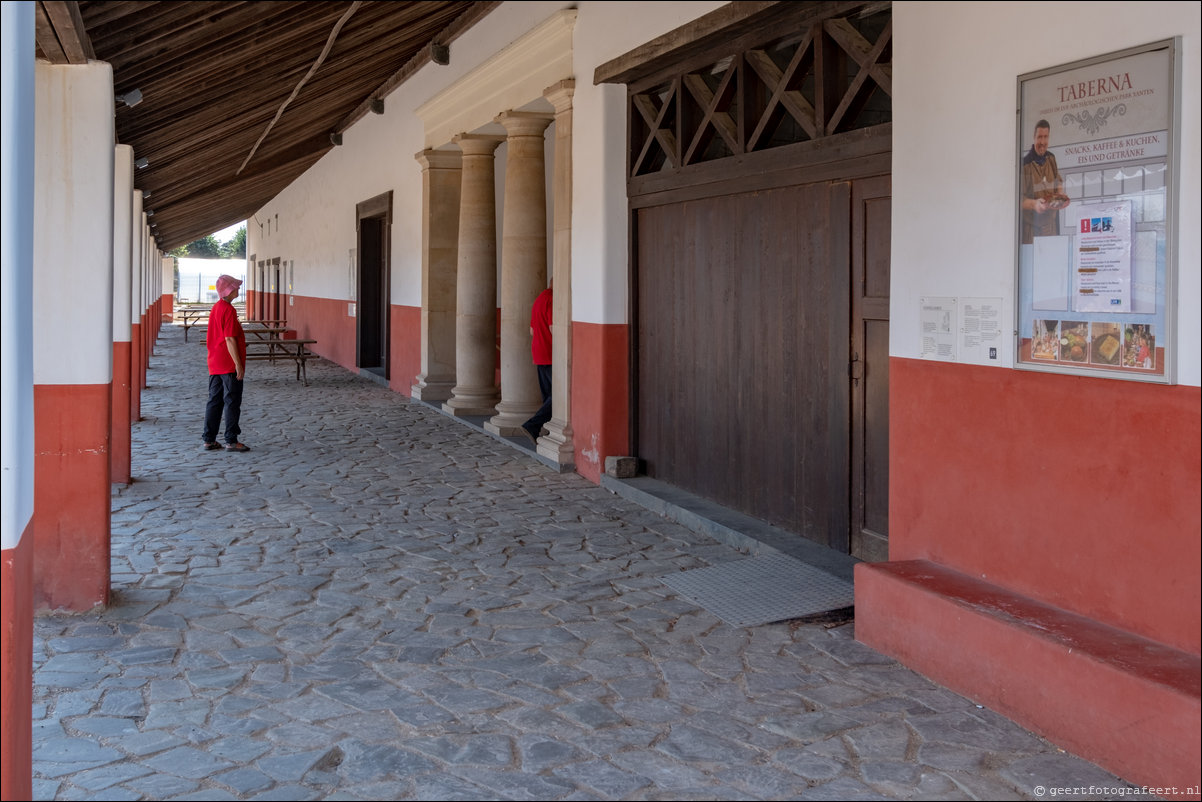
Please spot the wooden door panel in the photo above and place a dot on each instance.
(741, 344)
(871, 226)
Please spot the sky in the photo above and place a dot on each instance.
(226, 234)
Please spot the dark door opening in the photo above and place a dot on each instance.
(274, 303)
(374, 288)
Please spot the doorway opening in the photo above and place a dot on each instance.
(374, 225)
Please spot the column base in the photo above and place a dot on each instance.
(470, 407)
(506, 429)
(556, 445)
(509, 418)
(432, 390)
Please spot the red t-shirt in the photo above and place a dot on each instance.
(223, 322)
(540, 321)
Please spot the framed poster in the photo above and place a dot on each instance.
(1096, 223)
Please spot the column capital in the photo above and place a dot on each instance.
(560, 94)
(525, 123)
(478, 144)
(431, 159)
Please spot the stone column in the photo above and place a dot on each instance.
(73, 365)
(17, 452)
(557, 443)
(441, 181)
(523, 266)
(123, 233)
(475, 390)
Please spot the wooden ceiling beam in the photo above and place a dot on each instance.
(242, 33)
(62, 21)
(191, 218)
(47, 40)
(213, 74)
(114, 12)
(201, 180)
(475, 13)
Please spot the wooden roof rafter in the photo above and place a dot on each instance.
(61, 34)
(213, 74)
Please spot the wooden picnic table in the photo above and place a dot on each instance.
(264, 333)
(197, 316)
(270, 350)
(191, 317)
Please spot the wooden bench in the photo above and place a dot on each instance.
(1121, 700)
(279, 348)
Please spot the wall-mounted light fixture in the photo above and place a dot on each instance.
(146, 194)
(335, 139)
(150, 213)
(440, 54)
(131, 98)
(377, 105)
(142, 163)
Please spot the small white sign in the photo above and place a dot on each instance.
(937, 317)
(981, 330)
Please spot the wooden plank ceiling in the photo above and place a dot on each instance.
(239, 98)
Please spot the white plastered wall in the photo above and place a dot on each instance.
(73, 170)
(954, 147)
(312, 222)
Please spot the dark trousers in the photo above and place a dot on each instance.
(535, 424)
(225, 395)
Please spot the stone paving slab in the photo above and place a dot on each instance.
(378, 602)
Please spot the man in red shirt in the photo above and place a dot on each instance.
(540, 351)
(227, 365)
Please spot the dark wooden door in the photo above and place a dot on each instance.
(871, 219)
(742, 352)
(275, 306)
(261, 292)
(373, 297)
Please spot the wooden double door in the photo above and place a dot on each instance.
(762, 355)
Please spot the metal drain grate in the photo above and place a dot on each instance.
(761, 590)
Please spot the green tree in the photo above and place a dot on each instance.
(204, 248)
(235, 248)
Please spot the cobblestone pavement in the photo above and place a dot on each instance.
(378, 602)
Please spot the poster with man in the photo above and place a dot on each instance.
(1093, 163)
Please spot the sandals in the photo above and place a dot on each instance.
(210, 446)
(237, 447)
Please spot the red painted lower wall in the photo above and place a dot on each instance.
(326, 321)
(336, 333)
(1079, 492)
(600, 395)
(167, 308)
(147, 348)
(120, 445)
(16, 658)
(135, 372)
(404, 348)
(71, 497)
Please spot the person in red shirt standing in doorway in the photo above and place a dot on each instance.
(540, 350)
(227, 366)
